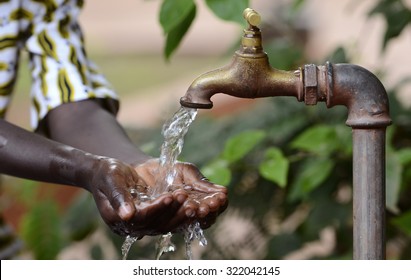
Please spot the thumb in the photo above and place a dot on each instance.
(122, 203)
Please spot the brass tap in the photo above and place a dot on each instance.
(249, 75)
(251, 42)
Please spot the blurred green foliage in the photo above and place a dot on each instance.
(176, 17)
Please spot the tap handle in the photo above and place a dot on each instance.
(252, 17)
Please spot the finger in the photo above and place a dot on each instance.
(208, 221)
(176, 216)
(122, 202)
(119, 200)
(203, 210)
(190, 208)
(221, 200)
(215, 201)
(204, 185)
(121, 197)
(146, 211)
(193, 176)
(163, 214)
(212, 202)
(105, 208)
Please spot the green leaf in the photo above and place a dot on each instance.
(344, 137)
(231, 10)
(297, 4)
(284, 54)
(339, 55)
(174, 12)
(404, 156)
(312, 174)
(396, 15)
(41, 230)
(82, 218)
(241, 144)
(217, 172)
(393, 181)
(282, 244)
(176, 34)
(403, 222)
(275, 167)
(320, 140)
(28, 191)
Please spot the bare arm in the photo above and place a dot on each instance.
(27, 155)
(88, 126)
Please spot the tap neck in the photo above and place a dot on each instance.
(251, 42)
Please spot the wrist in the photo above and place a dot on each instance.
(74, 167)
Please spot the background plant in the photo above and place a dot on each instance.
(287, 166)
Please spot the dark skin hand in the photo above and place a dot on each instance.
(90, 127)
(205, 199)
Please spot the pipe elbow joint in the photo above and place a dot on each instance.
(361, 92)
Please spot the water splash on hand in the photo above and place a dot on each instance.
(173, 132)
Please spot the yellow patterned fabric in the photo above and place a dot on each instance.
(61, 72)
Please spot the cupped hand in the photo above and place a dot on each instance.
(126, 213)
(205, 200)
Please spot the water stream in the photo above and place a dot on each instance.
(173, 132)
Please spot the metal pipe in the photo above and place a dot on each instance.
(369, 193)
(368, 115)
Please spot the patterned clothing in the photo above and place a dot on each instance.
(61, 71)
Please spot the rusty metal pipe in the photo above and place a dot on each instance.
(369, 193)
(368, 115)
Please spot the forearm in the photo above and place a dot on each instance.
(87, 126)
(31, 156)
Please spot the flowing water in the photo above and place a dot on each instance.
(173, 132)
(125, 248)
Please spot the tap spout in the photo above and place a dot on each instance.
(248, 76)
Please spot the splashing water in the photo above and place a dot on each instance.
(125, 248)
(191, 232)
(164, 245)
(173, 132)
